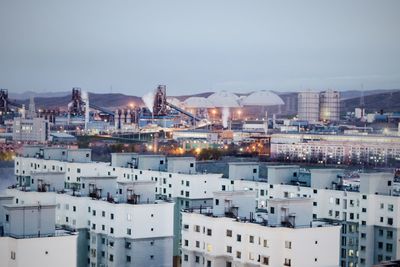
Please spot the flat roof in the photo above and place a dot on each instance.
(6, 197)
(282, 166)
(181, 158)
(136, 182)
(98, 177)
(243, 163)
(47, 173)
(25, 206)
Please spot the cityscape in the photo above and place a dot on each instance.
(160, 162)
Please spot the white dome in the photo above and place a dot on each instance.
(262, 98)
(198, 102)
(224, 99)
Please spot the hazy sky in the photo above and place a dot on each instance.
(194, 46)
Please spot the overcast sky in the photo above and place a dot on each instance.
(195, 46)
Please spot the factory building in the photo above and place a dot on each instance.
(31, 129)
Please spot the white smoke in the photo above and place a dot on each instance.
(148, 100)
(225, 116)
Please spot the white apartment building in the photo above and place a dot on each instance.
(226, 237)
(368, 208)
(333, 149)
(84, 190)
(69, 176)
(28, 237)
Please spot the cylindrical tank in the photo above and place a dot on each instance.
(308, 106)
(329, 105)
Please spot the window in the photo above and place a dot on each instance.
(128, 258)
(390, 207)
(111, 258)
(229, 233)
(209, 232)
(128, 245)
(186, 243)
(389, 234)
(265, 260)
(129, 231)
(185, 257)
(112, 216)
(272, 210)
(390, 221)
(111, 230)
(288, 262)
(265, 243)
(103, 213)
(238, 254)
(13, 255)
(229, 249)
(197, 244)
(197, 228)
(251, 256)
(238, 238)
(197, 259)
(7, 218)
(288, 244)
(251, 239)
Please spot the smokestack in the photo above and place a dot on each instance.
(273, 121)
(128, 116)
(85, 98)
(116, 119)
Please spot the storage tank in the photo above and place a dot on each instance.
(308, 106)
(329, 105)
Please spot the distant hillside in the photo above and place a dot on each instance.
(387, 101)
(375, 100)
(29, 94)
(102, 100)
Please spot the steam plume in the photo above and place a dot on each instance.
(148, 100)
(225, 116)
